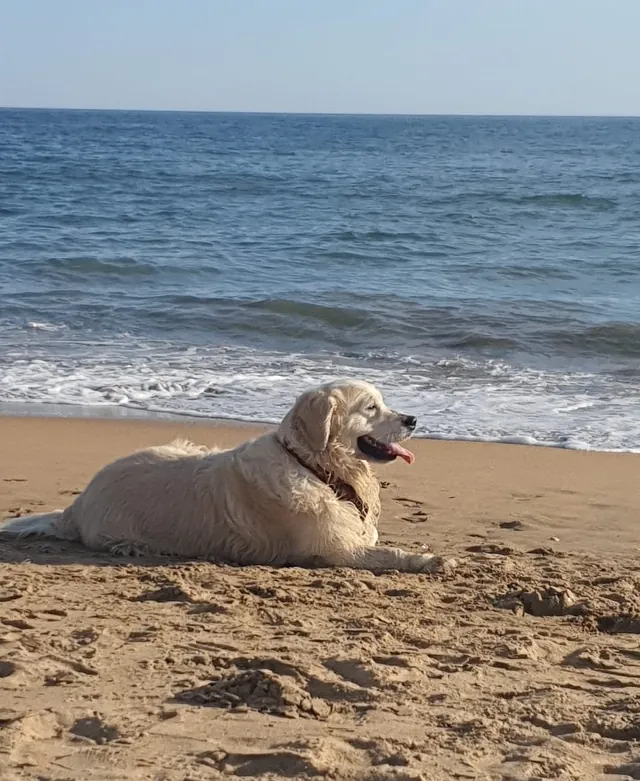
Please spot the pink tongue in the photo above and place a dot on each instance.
(397, 450)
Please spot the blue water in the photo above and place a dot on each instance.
(485, 272)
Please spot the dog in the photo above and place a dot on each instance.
(303, 495)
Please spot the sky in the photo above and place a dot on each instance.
(326, 56)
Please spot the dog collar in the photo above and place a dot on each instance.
(342, 489)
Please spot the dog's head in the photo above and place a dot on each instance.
(347, 419)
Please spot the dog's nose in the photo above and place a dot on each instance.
(409, 421)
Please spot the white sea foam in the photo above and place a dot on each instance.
(454, 398)
(35, 326)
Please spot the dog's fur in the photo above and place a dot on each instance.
(264, 502)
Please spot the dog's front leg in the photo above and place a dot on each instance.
(378, 559)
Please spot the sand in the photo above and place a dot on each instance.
(525, 664)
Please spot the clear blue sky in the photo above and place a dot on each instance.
(361, 56)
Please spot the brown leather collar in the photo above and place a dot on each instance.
(342, 489)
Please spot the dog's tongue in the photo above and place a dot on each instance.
(397, 450)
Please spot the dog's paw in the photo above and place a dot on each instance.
(439, 565)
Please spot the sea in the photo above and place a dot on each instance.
(484, 272)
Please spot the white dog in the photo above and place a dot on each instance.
(303, 495)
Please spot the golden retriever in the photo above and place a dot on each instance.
(303, 495)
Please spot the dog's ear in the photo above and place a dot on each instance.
(311, 419)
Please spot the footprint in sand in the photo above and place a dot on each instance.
(7, 669)
(417, 516)
(409, 502)
(515, 525)
(95, 729)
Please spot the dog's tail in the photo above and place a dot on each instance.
(57, 524)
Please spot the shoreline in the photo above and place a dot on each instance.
(44, 411)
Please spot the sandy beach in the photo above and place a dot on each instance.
(522, 665)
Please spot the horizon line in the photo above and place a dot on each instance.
(471, 114)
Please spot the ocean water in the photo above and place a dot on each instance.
(484, 272)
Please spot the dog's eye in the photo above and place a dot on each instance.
(373, 407)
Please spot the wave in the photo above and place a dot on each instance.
(52, 327)
(622, 339)
(124, 267)
(376, 235)
(545, 330)
(537, 271)
(480, 340)
(567, 200)
(332, 315)
(484, 199)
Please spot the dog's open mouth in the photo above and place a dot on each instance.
(384, 451)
